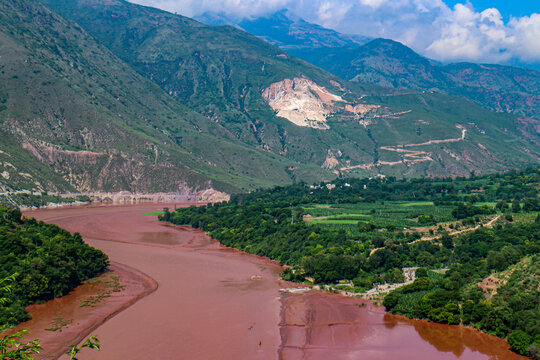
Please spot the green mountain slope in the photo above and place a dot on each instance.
(220, 72)
(74, 116)
(231, 77)
(169, 104)
(390, 63)
(384, 62)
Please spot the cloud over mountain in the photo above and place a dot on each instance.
(428, 26)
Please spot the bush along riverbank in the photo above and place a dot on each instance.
(41, 262)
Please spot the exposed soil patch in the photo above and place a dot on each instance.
(70, 319)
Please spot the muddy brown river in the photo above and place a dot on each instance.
(212, 302)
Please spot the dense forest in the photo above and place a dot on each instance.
(466, 228)
(40, 262)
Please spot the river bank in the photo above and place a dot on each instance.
(69, 319)
(218, 303)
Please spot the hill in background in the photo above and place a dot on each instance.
(391, 64)
(125, 97)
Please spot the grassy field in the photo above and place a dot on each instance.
(153, 213)
(401, 214)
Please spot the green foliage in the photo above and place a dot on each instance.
(90, 343)
(47, 260)
(516, 206)
(519, 341)
(366, 226)
(221, 72)
(12, 347)
(426, 219)
(297, 276)
(365, 280)
(421, 272)
(463, 211)
(267, 222)
(394, 275)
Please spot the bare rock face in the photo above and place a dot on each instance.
(361, 109)
(301, 101)
(89, 171)
(123, 197)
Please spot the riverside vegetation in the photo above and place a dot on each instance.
(428, 223)
(39, 262)
(47, 261)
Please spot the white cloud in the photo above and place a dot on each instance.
(373, 3)
(527, 32)
(331, 13)
(492, 15)
(242, 8)
(428, 26)
(468, 35)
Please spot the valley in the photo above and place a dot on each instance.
(213, 108)
(255, 186)
(225, 303)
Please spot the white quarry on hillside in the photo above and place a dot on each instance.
(301, 101)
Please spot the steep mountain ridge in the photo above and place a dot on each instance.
(71, 106)
(389, 63)
(286, 30)
(223, 72)
(392, 64)
(147, 101)
(381, 61)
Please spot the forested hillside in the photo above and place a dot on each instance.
(40, 262)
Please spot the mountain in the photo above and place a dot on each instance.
(286, 30)
(380, 61)
(390, 63)
(73, 116)
(241, 83)
(126, 97)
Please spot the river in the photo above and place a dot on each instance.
(213, 302)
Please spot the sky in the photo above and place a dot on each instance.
(486, 31)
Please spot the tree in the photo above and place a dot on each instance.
(366, 226)
(166, 216)
(519, 341)
(531, 204)
(11, 347)
(516, 207)
(425, 219)
(395, 275)
(447, 241)
(421, 272)
(501, 205)
(299, 213)
(473, 198)
(391, 300)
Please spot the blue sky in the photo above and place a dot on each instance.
(485, 31)
(507, 8)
